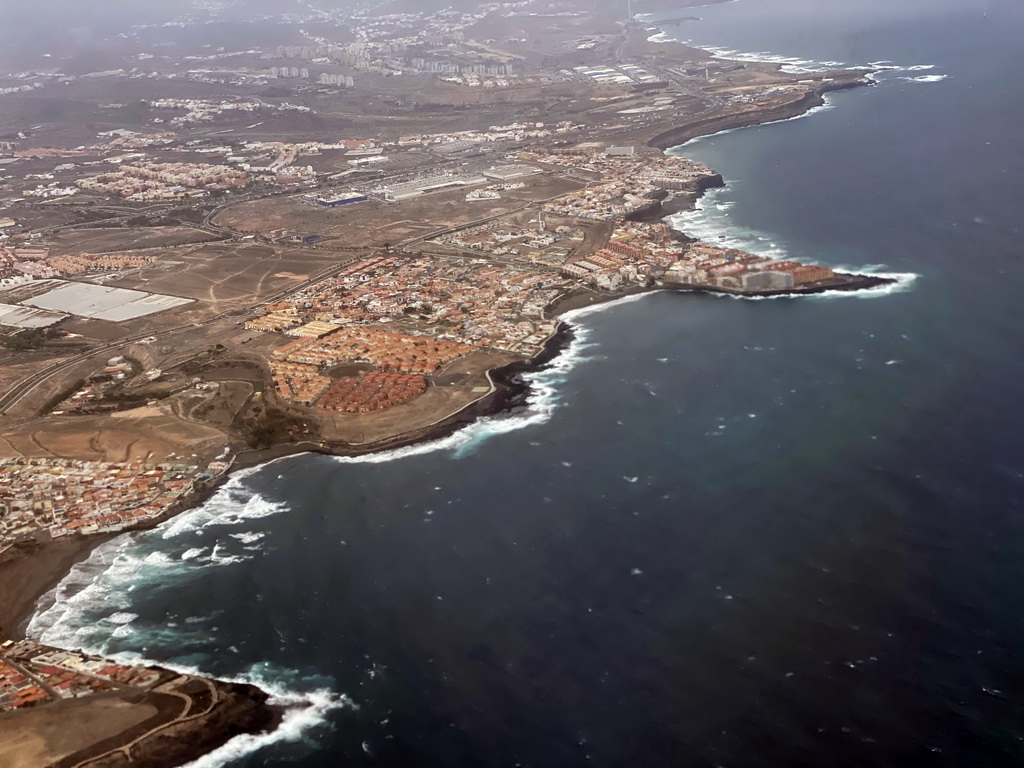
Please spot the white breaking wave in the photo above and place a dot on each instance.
(825, 107)
(52, 622)
(887, 68)
(575, 314)
(542, 399)
(790, 64)
(99, 582)
(157, 559)
(303, 713)
(660, 37)
(709, 221)
(304, 710)
(106, 579)
(250, 537)
(100, 592)
(219, 558)
(796, 65)
(206, 556)
(122, 617)
(231, 504)
(255, 508)
(902, 282)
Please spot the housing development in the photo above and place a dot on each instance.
(32, 675)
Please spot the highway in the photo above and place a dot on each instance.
(23, 388)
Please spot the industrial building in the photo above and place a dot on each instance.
(334, 199)
(508, 172)
(405, 190)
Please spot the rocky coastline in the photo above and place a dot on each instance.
(246, 708)
(240, 709)
(510, 388)
(673, 137)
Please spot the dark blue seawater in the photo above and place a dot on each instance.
(726, 532)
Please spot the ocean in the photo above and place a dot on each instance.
(723, 532)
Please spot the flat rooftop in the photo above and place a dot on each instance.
(27, 317)
(102, 302)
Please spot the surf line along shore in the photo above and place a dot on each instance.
(27, 576)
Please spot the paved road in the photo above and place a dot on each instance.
(18, 393)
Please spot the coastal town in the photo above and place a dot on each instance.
(350, 231)
(64, 497)
(379, 332)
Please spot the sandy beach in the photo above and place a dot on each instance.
(25, 576)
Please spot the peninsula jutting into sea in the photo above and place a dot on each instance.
(355, 237)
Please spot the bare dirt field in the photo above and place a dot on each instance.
(108, 239)
(223, 408)
(369, 224)
(228, 275)
(544, 188)
(150, 433)
(32, 215)
(29, 406)
(43, 736)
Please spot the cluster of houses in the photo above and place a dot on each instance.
(65, 496)
(33, 675)
(160, 181)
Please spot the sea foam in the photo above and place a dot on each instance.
(91, 607)
(790, 64)
(827, 105)
(303, 713)
(902, 281)
(304, 710)
(103, 584)
(231, 504)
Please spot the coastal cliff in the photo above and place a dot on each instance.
(666, 203)
(675, 136)
(240, 709)
(76, 710)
